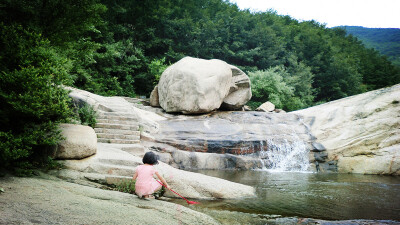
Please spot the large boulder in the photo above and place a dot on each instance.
(361, 133)
(80, 142)
(239, 92)
(194, 85)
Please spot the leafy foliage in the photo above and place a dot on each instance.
(112, 69)
(269, 86)
(31, 97)
(156, 68)
(87, 115)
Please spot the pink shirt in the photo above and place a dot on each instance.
(145, 182)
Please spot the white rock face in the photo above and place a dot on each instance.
(194, 85)
(239, 92)
(266, 107)
(362, 132)
(80, 142)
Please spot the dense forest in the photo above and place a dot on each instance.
(385, 40)
(121, 48)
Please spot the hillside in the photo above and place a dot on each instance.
(121, 48)
(385, 40)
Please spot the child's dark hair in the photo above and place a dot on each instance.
(150, 158)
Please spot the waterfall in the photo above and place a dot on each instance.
(285, 156)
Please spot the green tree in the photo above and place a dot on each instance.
(32, 100)
(300, 77)
(269, 85)
(112, 71)
(115, 47)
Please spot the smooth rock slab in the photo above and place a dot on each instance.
(199, 186)
(48, 200)
(361, 133)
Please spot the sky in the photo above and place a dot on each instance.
(366, 13)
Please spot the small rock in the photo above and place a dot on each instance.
(318, 147)
(154, 97)
(266, 107)
(321, 156)
(279, 111)
(246, 108)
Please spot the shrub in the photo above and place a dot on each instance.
(156, 68)
(32, 100)
(269, 85)
(87, 115)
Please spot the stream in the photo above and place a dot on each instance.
(310, 195)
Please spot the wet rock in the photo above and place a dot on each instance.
(320, 156)
(196, 160)
(318, 147)
(237, 133)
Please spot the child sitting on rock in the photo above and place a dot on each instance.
(145, 184)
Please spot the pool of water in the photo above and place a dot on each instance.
(312, 195)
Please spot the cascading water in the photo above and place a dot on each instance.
(285, 156)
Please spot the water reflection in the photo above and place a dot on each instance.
(313, 195)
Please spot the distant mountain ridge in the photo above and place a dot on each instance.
(384, 40)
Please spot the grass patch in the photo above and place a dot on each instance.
(128, 186)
